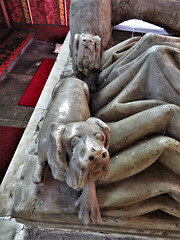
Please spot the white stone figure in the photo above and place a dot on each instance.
(138, 96)
(74, 145)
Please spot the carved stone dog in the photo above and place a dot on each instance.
(74, 144)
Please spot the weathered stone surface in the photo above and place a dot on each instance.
(52, 202)
(138, 95)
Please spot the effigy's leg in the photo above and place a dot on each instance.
(141, 155)
(153, 181)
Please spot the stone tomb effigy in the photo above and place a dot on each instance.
(48, 209)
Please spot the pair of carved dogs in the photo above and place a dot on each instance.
(74, 144)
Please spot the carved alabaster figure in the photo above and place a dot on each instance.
(138, 96)
(74, 145)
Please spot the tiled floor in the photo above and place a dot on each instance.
(16, 82)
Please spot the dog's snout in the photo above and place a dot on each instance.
(95, 155)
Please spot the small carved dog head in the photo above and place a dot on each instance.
(81, 152)
(86, 52)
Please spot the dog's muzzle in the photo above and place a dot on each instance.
(89, 162)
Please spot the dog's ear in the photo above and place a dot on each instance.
(56, 152)
(104, 127)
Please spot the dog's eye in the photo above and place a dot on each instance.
(99, 136)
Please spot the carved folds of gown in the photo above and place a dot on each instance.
(139, 98)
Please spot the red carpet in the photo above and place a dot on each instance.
(33, 92)
(9, 139)
(11, 47)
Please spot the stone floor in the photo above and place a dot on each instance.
(16, 82)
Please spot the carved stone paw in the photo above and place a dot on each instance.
(89, 211)
(86, 53)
